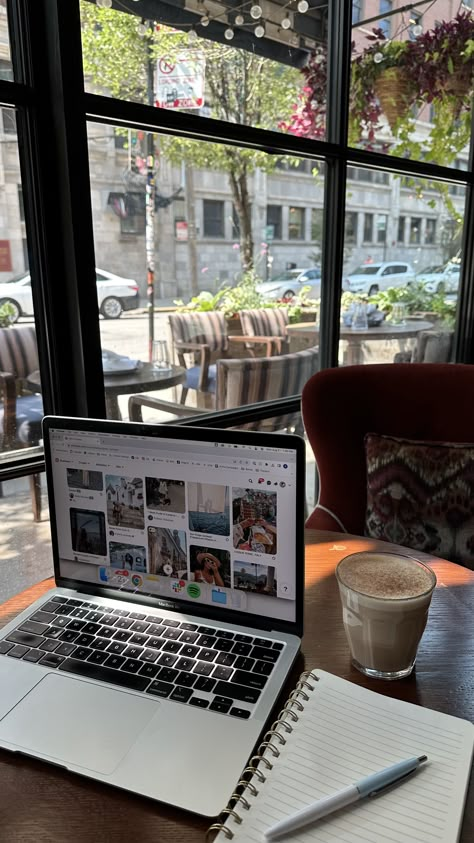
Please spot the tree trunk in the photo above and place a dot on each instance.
(240, 195)
(191, 218)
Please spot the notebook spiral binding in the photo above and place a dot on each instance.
(294, 701)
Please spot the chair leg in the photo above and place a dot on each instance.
(35, 487)
(184, 393)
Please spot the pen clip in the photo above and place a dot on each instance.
(387, 786)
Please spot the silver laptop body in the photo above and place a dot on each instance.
(178, 613)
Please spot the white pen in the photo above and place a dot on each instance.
(370, 786)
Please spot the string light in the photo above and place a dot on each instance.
(205, 20)
(286, 22)
(229, 34)
(303, 6)
(142, 28)
(104, 4)
(259, 30)
(417, 30)
(256, 12)
(239, 19)
(192, 35)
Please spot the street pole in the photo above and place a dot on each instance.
(150, 209)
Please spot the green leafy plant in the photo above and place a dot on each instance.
(417, 300)
(7, 315)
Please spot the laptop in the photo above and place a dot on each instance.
(154, 664)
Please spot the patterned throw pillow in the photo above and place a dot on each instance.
(421, 495)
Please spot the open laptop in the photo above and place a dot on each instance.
(178, 557)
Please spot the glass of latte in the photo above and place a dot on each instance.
(385, 600)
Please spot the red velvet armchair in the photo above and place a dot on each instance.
(427, 401)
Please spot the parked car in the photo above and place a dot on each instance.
(440, 279)
(372, 277)
(288, 284)
(115, 294)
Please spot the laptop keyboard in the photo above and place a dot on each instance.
(189, 663)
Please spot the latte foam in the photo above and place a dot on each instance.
(385, 575)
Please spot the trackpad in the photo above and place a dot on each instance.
(77, 723)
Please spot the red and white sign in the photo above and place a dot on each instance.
(181, 229)
(180, 83)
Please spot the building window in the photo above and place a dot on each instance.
(274, 219)
(213, 218)
(385, 25)
(368, 228)
(415, 231)
(351, 227)
(356, 11)
(401, 230)
(430, 232)
(296, 224)
(9, 121)
(133, 220)
(316, 224)
(381, 228)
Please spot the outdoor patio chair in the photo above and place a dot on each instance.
(270, 323)
(433, 346)
(20, 414)
(204, 337)
(248, 381)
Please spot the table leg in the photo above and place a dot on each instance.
(112, 406)
(354, 355)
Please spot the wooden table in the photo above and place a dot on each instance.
(143, 379)
(43, 804)
(309, 331)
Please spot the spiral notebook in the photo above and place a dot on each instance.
(332, 733)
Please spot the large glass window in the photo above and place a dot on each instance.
(296, 223)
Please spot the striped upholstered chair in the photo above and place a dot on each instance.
(202, 337)
(248, 381)
(20, 414)
(269, 323)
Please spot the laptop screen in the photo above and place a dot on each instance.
(208, 521)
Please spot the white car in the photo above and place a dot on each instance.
(115, 294)
(372, 277)
(440, 279)
(290, 283)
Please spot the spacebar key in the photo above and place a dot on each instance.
(105, 674)
(236, 692)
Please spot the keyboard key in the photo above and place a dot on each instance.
(138, 616)
(139, 626)
(95, 617)
(5, 647)
(58, 599)
(277, 645)
(262, 642)
(240, 712)
(65, 649)
(131, 665)
(206, 640)
(122, 635)
(26, 638)
(265, 668)
(181, 694)
(156, 629)
(114, 661)
(68, 636)
(105, 674)
(149, 670)
(241, 649)
(98, 657)
(72, 602)
(83, 653)
(190, 626)
(206, 630)
(189, 637)
(100, 644)
(221, 672)
(18, 651)
(169, 622)
(84, 640)
(123, 623)
(51, 660)
(149, 656)
(171, 633)
(62, 621)
(227, 659)
(203, 683)
(224, 645)
(49, 645)
(138, 638)
(224, 633)
(264, 654)
(63, 610)
(199, 702)
(220, 704)
(34, 628)
(171, 647)
(185, 664)
(33, 656)
(133, 652)
(50, 606)
(167, 674)
(54, 632)
(106, 632)
(116, 647)
(108, 620)
(42, 617)
(203, 668)
(91, 628)
(153, 619)
(187, 680)
(207, 655)
(78, 613)
(156, 643)
(237, 692)
(189, 651)
(122, 613)
(253, 680)
(160, 689)
(76, 626)
(167, 659)
(245, 639)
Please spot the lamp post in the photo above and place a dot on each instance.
(150, 208)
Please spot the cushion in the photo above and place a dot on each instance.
(29, 415)
(194, 373)
(421, 495)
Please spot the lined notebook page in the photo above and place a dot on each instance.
(345, 733)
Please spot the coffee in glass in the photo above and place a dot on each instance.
(385, 600)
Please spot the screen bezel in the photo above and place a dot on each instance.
(202, 434)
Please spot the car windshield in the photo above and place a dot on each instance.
(432, 270)
(369, 269)
(289, 275)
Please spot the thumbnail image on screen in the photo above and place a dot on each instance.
(210, 565)
(125, 501)
(167, 552)
(165, 495)
(254, 524)
(88, 531)
(208, 506)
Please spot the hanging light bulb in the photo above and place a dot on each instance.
(142, 28)
(192, 35)
(256, 11)
(286, 22)
(303, 6)
(104, 4)
(417, 30)
(378, 57)
(229, 33)
(239, 19)
(205, 20)
(259, 30)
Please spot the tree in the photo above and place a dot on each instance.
(240, 88)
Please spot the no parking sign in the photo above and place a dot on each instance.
(180, 83)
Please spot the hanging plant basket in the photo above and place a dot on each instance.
(459, 83)
(395, 93)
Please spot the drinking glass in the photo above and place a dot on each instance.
(160, 355)
(399, 313)
(359, 317)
